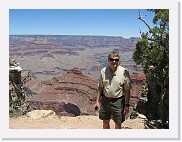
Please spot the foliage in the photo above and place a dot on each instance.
(14, 108)
(152, 51)
(16, 90)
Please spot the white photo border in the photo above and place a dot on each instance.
(171, 133)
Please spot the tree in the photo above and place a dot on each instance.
(152, 52)
(17, 92)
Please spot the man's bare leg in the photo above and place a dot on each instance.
(106, 124)
(118, 125)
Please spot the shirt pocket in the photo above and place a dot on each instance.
(106, 83)
(121, 83)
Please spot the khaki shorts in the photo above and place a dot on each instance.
(112, 108)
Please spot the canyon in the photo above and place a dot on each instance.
(65, 70)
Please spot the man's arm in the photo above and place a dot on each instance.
(127, 101)
(99, 90)
(127, 87)
(127, 97)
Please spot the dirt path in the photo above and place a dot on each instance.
(64, 122)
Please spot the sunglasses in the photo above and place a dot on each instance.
(116, 60)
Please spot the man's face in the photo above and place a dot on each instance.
(113, 61)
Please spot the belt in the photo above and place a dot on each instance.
(113, 99)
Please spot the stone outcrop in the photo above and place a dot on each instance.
(75, 71)
(76, 91)
(70, 94)
(138, 81)
(60, 108)
(15, 83)
(37, 114)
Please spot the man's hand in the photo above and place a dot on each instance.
(97, 106)
(126, 110)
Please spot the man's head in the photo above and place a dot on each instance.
(113, 59)
(113, 55)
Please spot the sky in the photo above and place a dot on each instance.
(101, 22)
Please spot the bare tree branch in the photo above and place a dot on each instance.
(143, 20)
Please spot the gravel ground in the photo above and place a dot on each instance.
(64, 122)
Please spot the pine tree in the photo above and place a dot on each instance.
(152, 52)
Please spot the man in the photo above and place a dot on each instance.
(113, 93)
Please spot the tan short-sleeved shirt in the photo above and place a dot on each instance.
(114, 84)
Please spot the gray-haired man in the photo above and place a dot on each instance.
(115, 85)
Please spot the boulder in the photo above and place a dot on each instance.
(37, 114)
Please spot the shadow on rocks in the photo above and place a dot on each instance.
(72, 109)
